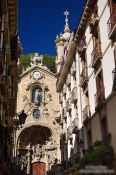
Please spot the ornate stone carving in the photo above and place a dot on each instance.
(45, 112)
(39, 151)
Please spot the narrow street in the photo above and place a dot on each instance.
(57, 108)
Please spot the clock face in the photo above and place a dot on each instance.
(37, 75)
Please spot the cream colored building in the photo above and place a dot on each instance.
(37, 138)
(87, 83)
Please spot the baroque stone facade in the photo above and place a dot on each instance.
(37, 139)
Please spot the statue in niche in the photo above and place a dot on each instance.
(39, 151)
(37, 95)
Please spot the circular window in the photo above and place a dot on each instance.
(36, 113)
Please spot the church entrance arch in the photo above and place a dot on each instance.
(33, 146)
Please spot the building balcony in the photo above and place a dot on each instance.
(75, 126)
(99, 99)
(83, 77)
(69, 132)
(68, 80)
(82, 46)
(114, 79)
(74, 95)
(73, 68)
(112, 26)
(68, 105)
(93, 23)
(64, 90)
(86, 114)
(96, 55)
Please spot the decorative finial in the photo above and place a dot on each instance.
(66, 14)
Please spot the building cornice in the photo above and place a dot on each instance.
(84, 19)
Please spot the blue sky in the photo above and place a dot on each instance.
(41, 20)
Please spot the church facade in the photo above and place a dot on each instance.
(37, 138)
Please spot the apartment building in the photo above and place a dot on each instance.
(86, 82)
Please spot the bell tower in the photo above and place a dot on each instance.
(61, 42)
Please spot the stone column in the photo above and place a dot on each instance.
(28, 162)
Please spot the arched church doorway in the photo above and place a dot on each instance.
(33, 149)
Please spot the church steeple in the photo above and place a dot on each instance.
(66, 28)
(61, 42)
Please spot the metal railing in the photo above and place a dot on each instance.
(74, 95)
(96, 53)
(111, 23)
(82, 42)
(86, 113)
(75, 125)
(68, 105)
(99, 97)
(83, 76)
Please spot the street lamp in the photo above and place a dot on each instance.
(22, 117)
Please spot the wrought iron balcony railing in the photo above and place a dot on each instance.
(83, 77)
(68, 105)
(75, 126)
(99, 99)
(86, 113)
(74, 95)
(94, 19)
(114, 79)
(82, 45)
(96, 54)
(112, 25)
